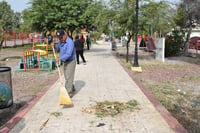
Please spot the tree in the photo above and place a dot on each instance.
(94, 18)
(26, 25)
(54, 14)
(158, 15)
(188, 13)
(1, 35)
(179, 17)
(41, 14)
(6, 19)
(6, 16)
(16, 20)
(127, 16)
(124, 19)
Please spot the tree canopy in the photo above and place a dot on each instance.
(158, 15)
(53, 14)
(6, 16)
(9, 20)
(188, 17)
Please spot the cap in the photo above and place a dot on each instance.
(60, 33)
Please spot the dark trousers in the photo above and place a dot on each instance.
(88, 46)
(81, 54)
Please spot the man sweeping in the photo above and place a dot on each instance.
(67, 56)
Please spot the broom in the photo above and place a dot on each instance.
(64, 98)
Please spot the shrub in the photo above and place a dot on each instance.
(174, 43)
(95, 35)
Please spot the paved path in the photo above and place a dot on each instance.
(103, 78)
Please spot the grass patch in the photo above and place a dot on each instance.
(127, 64)
(56, 114)
(108, 108)
(178, 66)
(166, 94)
(191, 78)
(110, 127)
(19, 47)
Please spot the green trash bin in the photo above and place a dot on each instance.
(6, 96)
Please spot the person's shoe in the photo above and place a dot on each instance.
(70, 95)
(73, 89)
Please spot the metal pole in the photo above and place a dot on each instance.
(136, 64)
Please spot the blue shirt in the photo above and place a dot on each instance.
(67, 52)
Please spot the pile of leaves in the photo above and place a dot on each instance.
(108, 108)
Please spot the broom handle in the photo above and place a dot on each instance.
(57, 65)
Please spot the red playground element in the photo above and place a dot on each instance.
(148, 42)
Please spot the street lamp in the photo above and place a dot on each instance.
(136, 64)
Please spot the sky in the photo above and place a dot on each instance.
(17, 5)
(172, 1)
(20, 5)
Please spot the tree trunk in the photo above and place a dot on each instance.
(1, 44)
(127, 46)
(186, 44)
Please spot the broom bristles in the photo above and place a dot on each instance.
(64, 98)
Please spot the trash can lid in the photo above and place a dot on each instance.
(4, 69)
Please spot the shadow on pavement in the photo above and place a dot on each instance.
(78, 86)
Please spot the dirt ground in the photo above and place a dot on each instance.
(175, 83)
(25, 85)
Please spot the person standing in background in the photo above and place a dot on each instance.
(88, 42)
(83, 40)
(79, 46)
(50, 38)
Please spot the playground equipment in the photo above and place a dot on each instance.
(38, 58)
(148, 42)
(195, 43)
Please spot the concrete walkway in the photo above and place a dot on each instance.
(102, 78)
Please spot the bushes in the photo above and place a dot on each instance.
(174, 43)
(95, 35)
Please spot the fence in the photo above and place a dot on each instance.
(13, 38)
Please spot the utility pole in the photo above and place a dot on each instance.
(136, 64)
